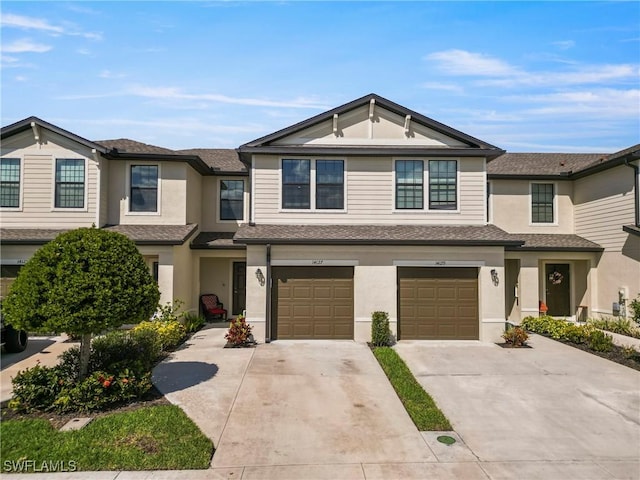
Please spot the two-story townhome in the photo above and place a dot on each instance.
(367, 207)
(578, 216)
(180, 207)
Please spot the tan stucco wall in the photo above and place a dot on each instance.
(531, 281)
(511, 207)
(172, 195)
(375, 283)
(210, 200)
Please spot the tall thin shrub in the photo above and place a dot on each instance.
(380, 332)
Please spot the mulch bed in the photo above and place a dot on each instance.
(57, 420)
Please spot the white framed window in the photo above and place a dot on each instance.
(10, 183)
(443, 184)
(231, 200)
(70, 184)
(436, 179)
(543, 203)
(409, 176)
(313, 184)
(143, 185)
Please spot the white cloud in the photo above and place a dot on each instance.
(111, 75)
(461, 62)
(31, 23)
(564, 44)
(449, 87)
(603, 102)
(176, 93)
(491, 71)
(25, 46)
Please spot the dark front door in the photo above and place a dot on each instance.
(239, 287)
(558, 289)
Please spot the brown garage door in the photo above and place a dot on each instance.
(438, 303)
(312, 302)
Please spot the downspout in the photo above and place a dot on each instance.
(636, 182)
(268, 284)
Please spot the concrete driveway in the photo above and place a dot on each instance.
(551, 411)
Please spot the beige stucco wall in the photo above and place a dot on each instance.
(369, 197)
(210, 200)
(531, 281)
(375, 281)
(38, 182)
(510, 205)
(172, 194)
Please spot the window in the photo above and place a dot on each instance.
(296, 180)
(155, 271)
(231, 200)
(443, 184)
(409, 184)
(488, 199)
(10, 182)
(69, 183)
(542, 202)
(144, 188)
(330, 184)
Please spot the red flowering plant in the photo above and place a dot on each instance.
(239, 333)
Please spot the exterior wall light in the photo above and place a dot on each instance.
(494, 277)
(260, 277)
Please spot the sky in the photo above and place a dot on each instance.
(524, 76)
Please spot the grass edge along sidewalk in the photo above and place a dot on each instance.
(149, 438)
(419, 405)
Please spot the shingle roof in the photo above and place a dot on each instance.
(126, 145)
(156, 234)
(376, 234)
(215, 240)
(541, 163)
(555, 242)
(28, 236)
(223, 159)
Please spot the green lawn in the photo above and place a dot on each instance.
(419, 405)
(150, 438)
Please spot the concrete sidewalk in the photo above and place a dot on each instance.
(43, 350)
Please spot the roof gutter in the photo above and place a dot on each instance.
(636, 183)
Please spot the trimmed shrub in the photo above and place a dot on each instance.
(600, 341)
(48, 389)
(515, 336)
(239, 332)
(622, 326)
(36, 388)
(635, 308)
(380, 332)
(192, 322)
(137, 351)
(170, 333)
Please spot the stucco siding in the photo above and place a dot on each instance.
(194, 196)
(37, 206)
(369, 195)
(172, 194)
(605, 202)
(510, 205)
(375, 286)
(210, 211)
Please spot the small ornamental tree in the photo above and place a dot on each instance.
(83, 282)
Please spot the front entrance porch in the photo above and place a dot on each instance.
(564, 282)
(225, 276)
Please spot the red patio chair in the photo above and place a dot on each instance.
(212, 308)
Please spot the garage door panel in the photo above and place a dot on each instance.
(312, 302)
(438, 303)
